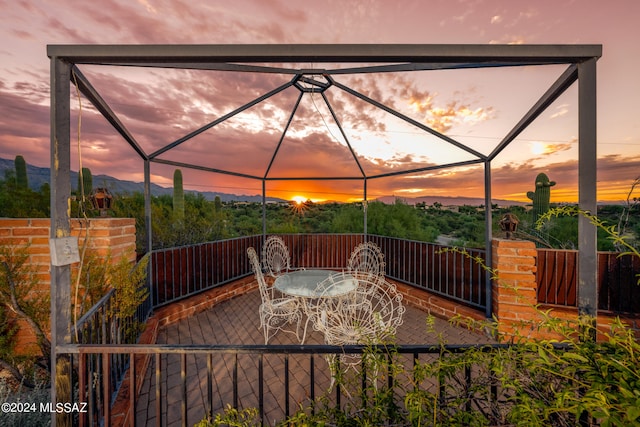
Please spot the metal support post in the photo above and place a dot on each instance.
(587, 191)
(488, 236)
(60, 206)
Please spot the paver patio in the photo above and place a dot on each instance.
(235, 321)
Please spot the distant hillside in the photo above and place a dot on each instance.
(38, 176)
(449, 201)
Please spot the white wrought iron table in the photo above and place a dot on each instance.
(312, 284)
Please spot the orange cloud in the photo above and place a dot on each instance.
(443, 119)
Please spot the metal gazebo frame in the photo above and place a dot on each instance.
(581, 67)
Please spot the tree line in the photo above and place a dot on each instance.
(189, 218)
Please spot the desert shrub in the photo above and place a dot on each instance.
(29, 401)
(233, 417)
(129, 283)
(20, 296)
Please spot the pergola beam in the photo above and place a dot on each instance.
(101, 105)
(344, 135)
(235, 68)
(377, 69)
(315, 178)
(429, 168)
(340, 53)
(412, 66)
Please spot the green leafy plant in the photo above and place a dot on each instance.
(233, 417)
(130, 291)
(565, 381)
(99, 274)
(612, 232)
(573, 378)
(30, 398)
(8, 331)
(22, 202)
(90, 281)
(19, 294)
(560, 382)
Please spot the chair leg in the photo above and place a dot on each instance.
(299, 319)
(265, 331)
(266, 335)
(264, 325)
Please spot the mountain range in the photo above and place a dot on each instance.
(37, 176)
(449, 201)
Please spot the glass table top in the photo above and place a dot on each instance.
(304, 283)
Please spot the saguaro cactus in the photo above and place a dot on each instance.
(86, 184)
(540, 199)
(178, 195)
(541, 196)
(21, 172)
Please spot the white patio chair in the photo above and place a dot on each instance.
(367, 260)
(368, 316)
(275, 256)
(275, 313)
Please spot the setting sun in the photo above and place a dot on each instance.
(538, 148)
(299, 199)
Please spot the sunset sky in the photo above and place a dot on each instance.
(475, 107)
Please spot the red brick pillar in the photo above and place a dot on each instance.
(514, 292)
(112, 236)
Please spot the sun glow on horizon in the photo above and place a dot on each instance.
(299, 199)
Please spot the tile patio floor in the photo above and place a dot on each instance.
(236, 321)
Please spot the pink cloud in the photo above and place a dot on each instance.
(220, 147)
(167, 104)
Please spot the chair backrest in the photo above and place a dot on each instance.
(275, 256)
(367, 260)
(367, 318)
(257, 269)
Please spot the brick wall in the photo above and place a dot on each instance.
(116, 236)
(437, 306)
(515, 297)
